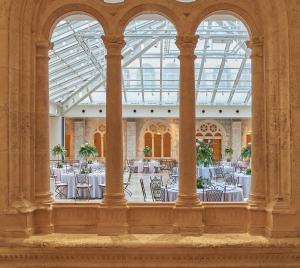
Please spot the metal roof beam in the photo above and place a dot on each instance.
(237, 79)
(220, 72)
(84, 91)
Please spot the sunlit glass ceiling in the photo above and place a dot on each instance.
(150, 63)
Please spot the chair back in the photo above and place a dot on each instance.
(230, 180)
(214, 195)
(158, 193)
(129, 176)
(143, 189)
(219, 172)
(81, 179)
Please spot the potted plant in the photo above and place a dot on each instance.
(246, 153)
(228, 153)
(87, 150)
(147, 151)
(59, 151)
(204, 153)
(248, 171)
(199, 183)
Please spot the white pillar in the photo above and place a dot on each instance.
(131, 140)
(236, 139)
(55, 132)
(79, 136)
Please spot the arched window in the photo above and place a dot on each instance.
(211, 133)
(158, 138)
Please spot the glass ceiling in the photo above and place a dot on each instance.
(77, 65)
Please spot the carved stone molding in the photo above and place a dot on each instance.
(151, 251)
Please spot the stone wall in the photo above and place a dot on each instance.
(134, 129)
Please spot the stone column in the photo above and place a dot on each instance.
(79, 137)
(258, 146)
(187, 152)
(131, 140)
(55, 132)
(42, 219)
(114, 194)
(236, 138)
(42, 187)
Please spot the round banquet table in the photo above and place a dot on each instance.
(94, 179)
(204, 171)
(58, 172)
(140, 165)
(245, 181)
(232, 194)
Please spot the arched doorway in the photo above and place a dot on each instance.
(211, 133)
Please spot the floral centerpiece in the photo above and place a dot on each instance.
(228, 153)
(204, 153)
(87, 150)
(59, 151)
(147, 151)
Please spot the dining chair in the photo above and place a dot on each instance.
(144, 191)
(127, 183)
(82, 183)
(214, 195)
(60, 188)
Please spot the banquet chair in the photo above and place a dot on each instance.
(231, 180)
(214, 195)
(219, 172)
(144, 191)
(166, 197)
(60, 188)
(82, 182)
(146, 168)
(126, 184)
(158, 193)
(69, 168)
(155, 184)
(172, 178)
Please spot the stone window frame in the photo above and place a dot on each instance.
(31, 206)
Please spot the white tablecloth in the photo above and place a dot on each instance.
(140, 165)
(245, 181)
(232, 194)
(94, 179)
(204, 171)
(58, 172)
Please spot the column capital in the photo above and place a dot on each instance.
(44, 44)
(256, 44)
(187, 44)
(113, 43)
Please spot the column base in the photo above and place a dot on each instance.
(187, 200)
(256, 214)
(16, 225)
(281, 220)
(42, 221)
(114, 200)
(43, 198)
(188, 220)
(112, 220)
